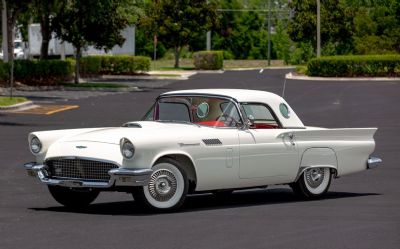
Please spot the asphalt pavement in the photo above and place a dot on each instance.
(360, 211)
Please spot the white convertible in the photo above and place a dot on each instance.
(210, 140)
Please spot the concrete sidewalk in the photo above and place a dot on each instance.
(292, 76)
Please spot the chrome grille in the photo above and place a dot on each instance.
(81, 169)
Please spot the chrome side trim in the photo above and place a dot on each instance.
(188, 144)
(373, 162)
(118, 177)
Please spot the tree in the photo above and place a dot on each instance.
(376, 26)
(244, 31)
(245, 36)
(175, 21)
(336, 23)
(43, 11)
(92, 22)
(14, 9)
(282, 43)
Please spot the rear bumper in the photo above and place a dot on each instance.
(373, 162)
(118, 177)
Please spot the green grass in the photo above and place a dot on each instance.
(7, 101)
(95, 85)
(187, 64)
(232, 64)
(168, 65)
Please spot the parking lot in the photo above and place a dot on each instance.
(360, 211)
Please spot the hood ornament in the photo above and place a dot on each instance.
(80, 147)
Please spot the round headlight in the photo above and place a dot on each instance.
(127, 148)
(36, 145)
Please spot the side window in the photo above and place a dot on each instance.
(261, 116)
(173, 111)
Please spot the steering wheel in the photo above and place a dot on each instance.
(228, 120)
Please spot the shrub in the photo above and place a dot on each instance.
(208, 60)
(114, 64)
(302, 53)
(228, 55)
(38, 72)
(90, 65)
(355, 65)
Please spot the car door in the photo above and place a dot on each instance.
(266, 150)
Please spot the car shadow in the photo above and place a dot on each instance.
(204, 202)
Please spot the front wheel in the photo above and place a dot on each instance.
(73, 198)
(313, 183)
(167, 187)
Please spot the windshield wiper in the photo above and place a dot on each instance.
(177, 121)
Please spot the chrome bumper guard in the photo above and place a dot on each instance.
(118, 177)
(373, 162)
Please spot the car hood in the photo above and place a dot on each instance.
(113, 135)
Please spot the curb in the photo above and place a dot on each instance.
(259, 68)
(23, 105)
(150, 77)
(210, 71)
(290, 76)
(119, 89)
(92, 89)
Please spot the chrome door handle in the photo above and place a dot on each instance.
(291, 137)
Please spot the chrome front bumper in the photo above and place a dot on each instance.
(118, 177)
(373, 162)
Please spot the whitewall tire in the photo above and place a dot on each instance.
(313, 183)
(167, 187)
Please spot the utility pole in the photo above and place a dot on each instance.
(208, 45)
(4, 31)
(318, 28)
(134, 40)
(208, 42)
(269, 32)
(155, 41)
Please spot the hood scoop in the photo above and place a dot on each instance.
(132, 125)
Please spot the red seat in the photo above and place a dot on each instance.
(212, 123)
(264, 126)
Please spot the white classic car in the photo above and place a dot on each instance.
(210, 140)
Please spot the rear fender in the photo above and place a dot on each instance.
(318, 158)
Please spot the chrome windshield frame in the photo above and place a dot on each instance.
(233, 100)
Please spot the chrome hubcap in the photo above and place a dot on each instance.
(162, 185)
(314, 177)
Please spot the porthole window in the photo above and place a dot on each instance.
(202, 110)
(283, 108)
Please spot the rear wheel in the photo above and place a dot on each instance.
(313, 183)
(73, 198)
(167, 188)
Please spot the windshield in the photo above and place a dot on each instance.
(208, 111)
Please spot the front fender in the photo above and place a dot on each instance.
(171, 152)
